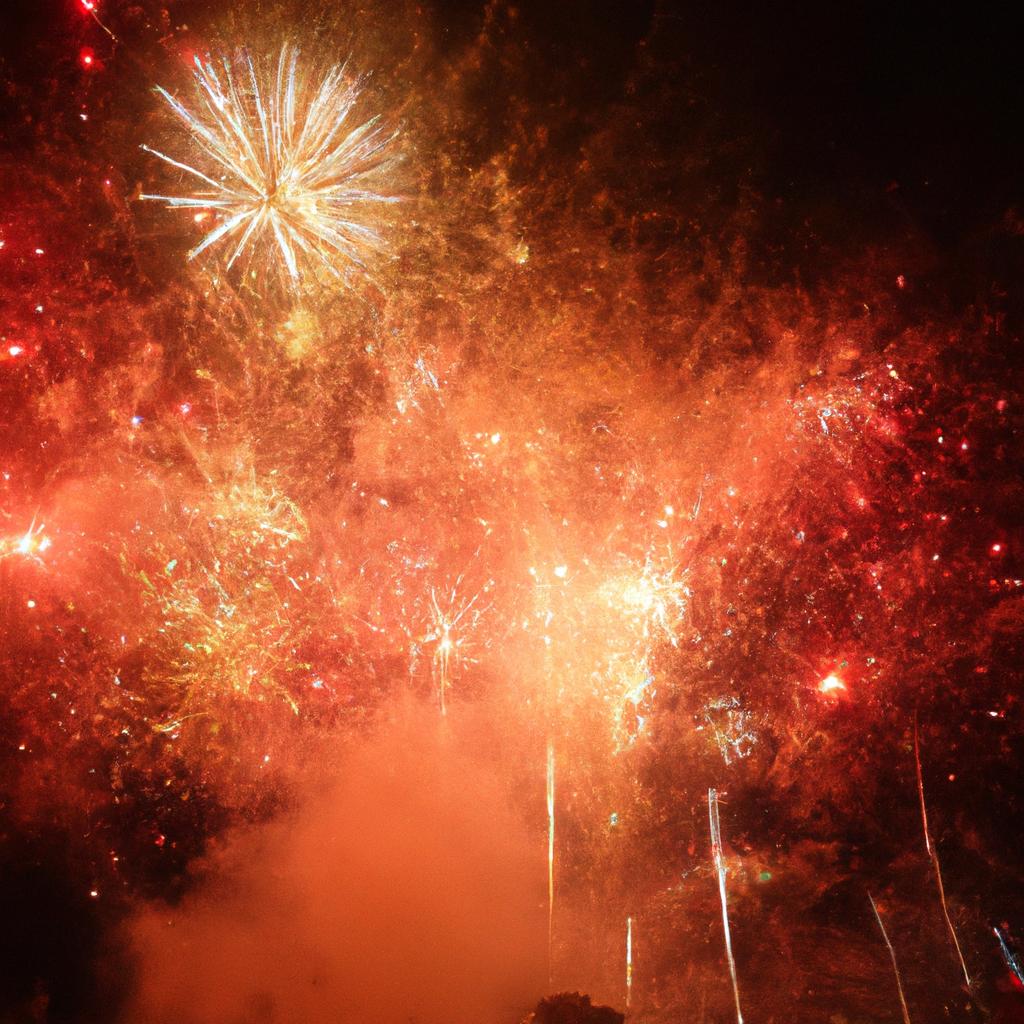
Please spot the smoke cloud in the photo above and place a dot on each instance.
(402, 888)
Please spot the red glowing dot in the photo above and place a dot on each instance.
(88, 5)
(87, 57)
(186, 408)
(901, 281)
(996, 549)
(15, 350)
(831, 684)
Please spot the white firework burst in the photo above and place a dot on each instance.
(281, 163)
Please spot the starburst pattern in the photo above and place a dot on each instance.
(283, 165)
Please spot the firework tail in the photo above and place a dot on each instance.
(629, 960)
(1011, 958)
(444, 666)
(934, 857)
(892, 957)
(89, 7)
(716, 850)
(551, 855)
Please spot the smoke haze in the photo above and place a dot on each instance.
(403, 890)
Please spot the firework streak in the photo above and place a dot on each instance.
(551, 851)
(892, 956)
(1011, 958)
(716, 852)
(933, 854)
(629, 960)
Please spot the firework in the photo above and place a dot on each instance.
(716, 852)
(282, 163)
(892, 957)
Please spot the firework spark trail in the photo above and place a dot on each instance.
(629, 960)
(892, 956)
(278, 164)
(89, 6)
(551, 854)
(1011, 958)
(933, 854)
(716, 851)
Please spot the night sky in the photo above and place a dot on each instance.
(660, 451)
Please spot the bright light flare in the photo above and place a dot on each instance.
(655, 599)
(831, 685)
(31, 544)
(282, 162)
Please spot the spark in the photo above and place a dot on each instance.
(716, 852)
(282, 162)
(892, 956)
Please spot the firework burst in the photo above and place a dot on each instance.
(227, 601)
(282, 165)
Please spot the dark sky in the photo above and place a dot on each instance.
(830, 96)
